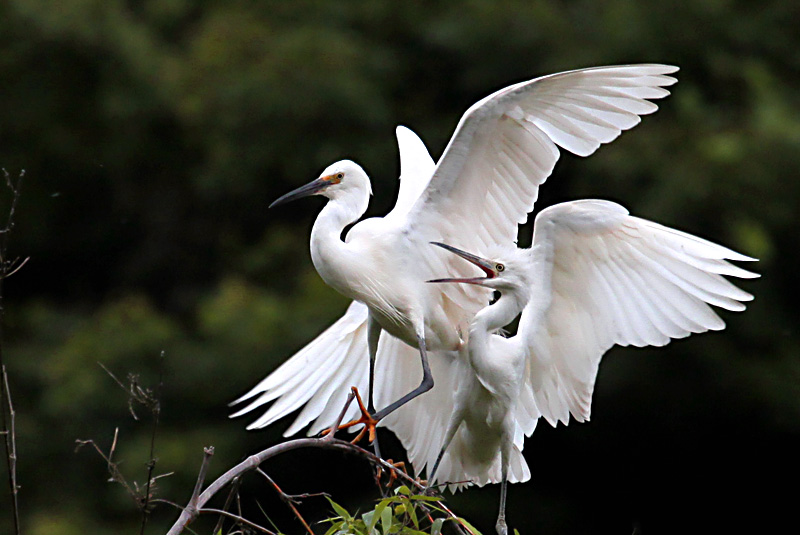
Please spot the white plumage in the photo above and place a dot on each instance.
(594, 277)
(482, 187)
(603, 277)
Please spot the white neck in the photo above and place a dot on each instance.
(330, 255)
(498, 315)
(491, 318)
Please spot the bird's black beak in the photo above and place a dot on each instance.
(315, 186)
(487, 266)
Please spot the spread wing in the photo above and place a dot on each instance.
(319, 377)
(506, 145)
(604, 278)
(416, 168)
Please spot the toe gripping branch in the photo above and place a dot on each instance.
(366, 420)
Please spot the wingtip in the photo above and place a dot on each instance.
(666, 68)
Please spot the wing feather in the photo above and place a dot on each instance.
(416, 168)
(604, 278)
(506, 145)
(327, 360)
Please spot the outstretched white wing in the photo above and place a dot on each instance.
(318, 376)
(506, 145)
(604, 277)
(416, 168)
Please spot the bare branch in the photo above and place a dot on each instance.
(228, 501)
(151, 463)
(134, 491)
(13, 268)
(332, 430)
(11, 442)
(238, 518)
(191, 511)
(208, 452)
(113, 468)
(287, 499)
(7, 415)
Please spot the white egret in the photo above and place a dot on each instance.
(480, 436)
(594, 277)
(483, 186)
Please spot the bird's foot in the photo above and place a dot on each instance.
(366, 420)
(399, 466)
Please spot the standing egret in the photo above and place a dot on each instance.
(480, 436)
(484, 185)
(593, 278)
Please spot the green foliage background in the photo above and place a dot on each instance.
(155, 134)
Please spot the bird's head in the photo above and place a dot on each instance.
(508, 272)
(342, 179)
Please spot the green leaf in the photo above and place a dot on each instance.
(436, 527)
(425, 498)
(370, 518)
(377, 514)
(403, 490)
(341, 511)
(386, 518)
(469, 526)
(413, 514)
(335, 526)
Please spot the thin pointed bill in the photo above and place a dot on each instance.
(315, 186)
(485, 265)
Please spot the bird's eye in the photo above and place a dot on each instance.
(500, 267)
(340, 176)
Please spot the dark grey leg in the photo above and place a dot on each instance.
(427, 383)
(501, 527)
(373, 336)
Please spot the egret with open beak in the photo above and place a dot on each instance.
(594, 277)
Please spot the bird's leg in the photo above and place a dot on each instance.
(452, 427)
(436, 465)
(501, 527)
(425, 385)
(373, 336)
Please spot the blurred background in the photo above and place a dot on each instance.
(155, 133)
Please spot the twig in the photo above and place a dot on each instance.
(332, 429)
(6, 407)
(287, 499)
(234, 489)
(238, 518)
(191, 511)
(7, 274)
(113, 468)
(151, 463)
(208, 452)
(11, 439)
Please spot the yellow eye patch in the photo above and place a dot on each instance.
(333, 179)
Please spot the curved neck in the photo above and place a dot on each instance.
(498, 315)
(491, 318)
(330, 255)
